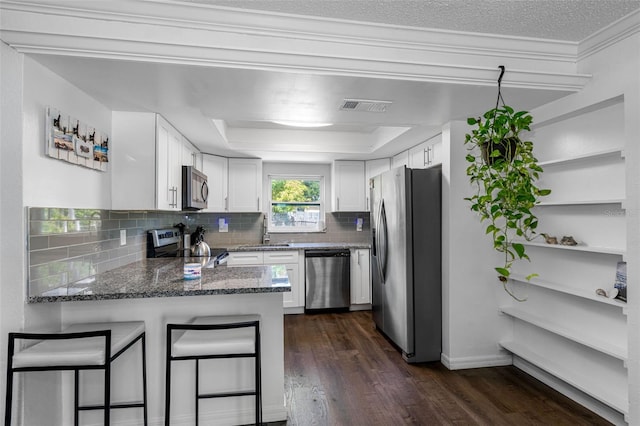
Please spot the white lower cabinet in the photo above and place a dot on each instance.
(360, 277)
(288, 261)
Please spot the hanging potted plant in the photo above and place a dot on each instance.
(504, 172)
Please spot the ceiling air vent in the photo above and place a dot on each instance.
(364, 105)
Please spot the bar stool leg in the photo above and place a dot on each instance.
(144, 379)
(107, 392)
(9, 395)
(197, 386)
(167, 380)
(76, 397)
(258, 367)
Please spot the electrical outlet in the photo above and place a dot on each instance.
(359, 224)
(123, 237)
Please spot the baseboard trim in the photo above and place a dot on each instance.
(476, 361)
(569, 391)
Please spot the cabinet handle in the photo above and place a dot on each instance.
(226, 204)
(172, 202)
(359, 254)
(425, 157)
(338, 203)
(258, 203)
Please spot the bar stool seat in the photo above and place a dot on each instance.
(215, 337)
(87, 351)
(88, 346)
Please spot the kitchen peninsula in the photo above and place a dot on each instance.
(154, 290)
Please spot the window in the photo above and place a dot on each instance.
(296, 204)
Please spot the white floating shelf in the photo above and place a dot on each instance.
(577, 336)
(591, 155)
(590, 249)
(581, 202)
(618, 399)
(569, 290)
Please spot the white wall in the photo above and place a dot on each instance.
(28, 178)
(49, 182)
(12, 276)
(472, 293)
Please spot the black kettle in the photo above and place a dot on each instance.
(199, 248)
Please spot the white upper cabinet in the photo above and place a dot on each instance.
(190, 155)
(245, 185)
(374, 168)
(427, 154)
(146, 162)
(168, 166)
(216, 168)
(348, 182)
(400, 160)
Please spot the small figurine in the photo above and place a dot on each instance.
(549, 239)
(568, 241)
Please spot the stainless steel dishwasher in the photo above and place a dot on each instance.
(327, 279)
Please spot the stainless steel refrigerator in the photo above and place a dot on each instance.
(406, 260)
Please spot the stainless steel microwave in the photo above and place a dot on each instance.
(195, 191)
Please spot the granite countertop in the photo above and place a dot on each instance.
(165, 278)
(297, 246)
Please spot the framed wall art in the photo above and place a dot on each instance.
(68, 139)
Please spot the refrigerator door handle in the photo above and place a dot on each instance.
(382, 241)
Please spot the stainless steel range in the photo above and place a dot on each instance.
(168, 243)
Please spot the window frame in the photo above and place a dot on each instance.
(291, 229)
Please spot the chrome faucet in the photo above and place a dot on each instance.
(265, 235)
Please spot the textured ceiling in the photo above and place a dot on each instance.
(570, 20)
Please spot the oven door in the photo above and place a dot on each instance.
(195, 191)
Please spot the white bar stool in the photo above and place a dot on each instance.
(90, 346)
(215, 337)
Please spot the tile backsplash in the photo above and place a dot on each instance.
(66, 245)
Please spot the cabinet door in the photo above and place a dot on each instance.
(189, 154)
(291, 299)
(374, 168)
(216, 168)
(400, 160)
(245, 184)
(349, 188)
(419, 156)
(168, 166)
(360, 277)
(435, 153)
(245, 258)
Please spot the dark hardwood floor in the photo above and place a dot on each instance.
(340, 371)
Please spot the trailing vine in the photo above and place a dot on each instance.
(504, 172)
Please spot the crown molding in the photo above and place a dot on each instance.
(195, 34)
(623, 28)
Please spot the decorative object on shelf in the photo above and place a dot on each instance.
(549, 239)
(611, 293)
(568, 241)
(621, 281)
(504, 170)
(70, 140)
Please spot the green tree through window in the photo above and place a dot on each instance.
(296, 204)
